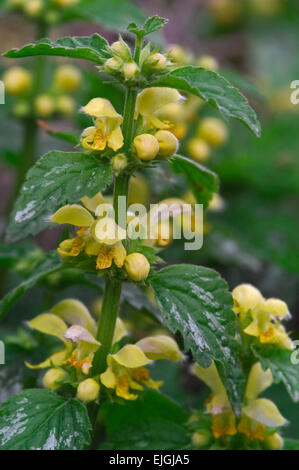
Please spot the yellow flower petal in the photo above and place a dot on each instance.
(258, 381)
(129, 356)
(276, 307)
(92, 247)
(73, 214)
(210, 376)
(119, 254)
(252, 429)
(104, 258)
(102, 108)
(49, 324)
(119, 332)
(108, 378)
(115, 139)
(246, 297)
(74, 312)
(264, 411)
(224, 425)
(87, 137)
(123, 388)
(91, 203)
(108, 232)
(252, 329)
(160, 347)
(151, 100)
(57, 359)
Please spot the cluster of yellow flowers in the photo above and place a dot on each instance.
(106, 131)
(261, 319)
(126, 373)
(19, 82)
(99, 237)
(41, 8)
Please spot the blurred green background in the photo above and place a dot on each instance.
(254, 238)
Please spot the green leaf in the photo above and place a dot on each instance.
(152, 422)
(202, 181)
(151, 25)
(42, 420)
(56, 179)
(213, 88)
(290, 444)
(112, 14)
(92, 48)
(50, 264)
(283, 368)
(196, 302)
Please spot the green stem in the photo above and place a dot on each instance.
(107, 323)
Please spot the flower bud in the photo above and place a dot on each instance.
(202, 439)
(52, 376)
(208, 62)
(33, 8)
(112, 65)
(157, 61)
(17, 81)
(67, 78)
(137, 266)
(273, 442)
(168, 143)
(121, 49)
(130, 69)
(213, 131)
(147, 146)
(177, 54)
(198, 149)
(119, 162)
(88, 390)
(44, 105)
(65, 105)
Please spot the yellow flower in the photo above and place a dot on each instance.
(258, 413)
(100, 237)
(223, 418)
(79, 343)
(151, 101)
(265, 315)
(126, 372)
(106, 130)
